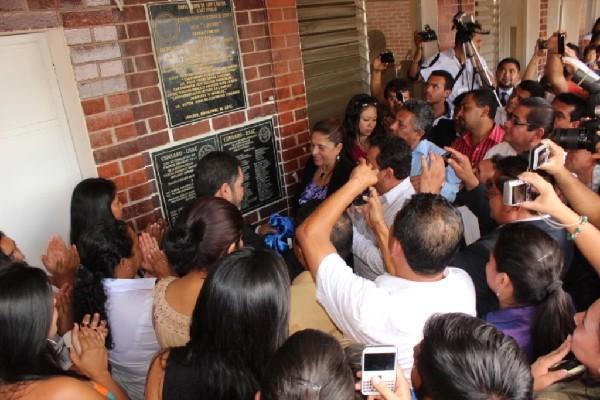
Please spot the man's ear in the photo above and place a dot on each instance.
(486, 111)
(539, 133)
(224, 191)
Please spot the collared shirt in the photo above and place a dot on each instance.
(367, 257)
(515, 322)
(447, 61)
(390, 310)
(503, 149)
(451, 184)
(504, 94)
(446, 115)
(464, 144)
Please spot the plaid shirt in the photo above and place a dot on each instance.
(464, 144)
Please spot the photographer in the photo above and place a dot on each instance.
(453, 60)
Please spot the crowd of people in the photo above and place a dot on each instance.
(404, 236)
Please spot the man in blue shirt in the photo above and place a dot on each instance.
(411, 122)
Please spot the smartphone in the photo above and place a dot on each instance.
(573, 366)
(387, 57)
(378, 361)
(516, 192)
(561, 43)
(446, 156)
(538, 155)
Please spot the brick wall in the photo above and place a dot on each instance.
(392, 19)
(118, 84)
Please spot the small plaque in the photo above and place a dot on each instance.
(198, 59)
(253, 145)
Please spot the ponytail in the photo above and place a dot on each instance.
(553, 320)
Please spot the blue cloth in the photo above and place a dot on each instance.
(285, 230)
(452, 182)
(515, 322)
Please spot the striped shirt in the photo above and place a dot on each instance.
(464, 144)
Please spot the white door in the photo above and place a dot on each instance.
(38, 164)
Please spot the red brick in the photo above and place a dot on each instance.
(280, 3)
(142, 79)
(292, 41)
(280, 68)
(290, 166)
(251, 31)
(250, 73)
(125, 132)
(254, 99)
(287, 105)
(262, 44)
(33, 5)
(237, 118)
(128, 65)
(109, 170)
(265, 70)
(133, 163)
(123, 100)
(258, 16)
(262, 57)
(154, 140)
(278, 42)
(138, 29)
(295, 65)
(106, 120)
(100, 139)
(150, 94)
(142, 191)
(267, 95)
(87, 18)
(242, 18)
(255, 112)
(286, 54)
(144, 63)
(136, 47)
(274, 14)
(288, 142)
(93, 106)
(64, 4)
(158, 123)
(259, 85)
(300, 114)
(129, 14)
(283, 28)
(294, 128)
(221, 122)
(148, 110)
(249, 4)
(115, 152)
(246, 46)
(290, 13)
(129, 180)
(298, 90)
(286, 118)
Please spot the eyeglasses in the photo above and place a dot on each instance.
(515, 121)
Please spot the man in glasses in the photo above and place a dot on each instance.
(530, 122)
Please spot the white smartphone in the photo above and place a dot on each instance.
(378, 361)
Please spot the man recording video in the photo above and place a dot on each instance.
(455, 60)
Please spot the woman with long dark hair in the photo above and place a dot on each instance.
(94, 201)
(29, 367)
(361, 120)
(524, 271)
(106, 283)
(208, 229)
(240, 319)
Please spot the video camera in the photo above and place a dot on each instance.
(466, 26)
(584, 137)
(427, 34)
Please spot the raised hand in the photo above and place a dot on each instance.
(432, 175)
(61, 261)
(542, 377)
(154, 259)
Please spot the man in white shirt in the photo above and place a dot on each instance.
(392, 310)
(392, 157)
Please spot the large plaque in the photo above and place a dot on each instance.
(198, 59)
(253, 145)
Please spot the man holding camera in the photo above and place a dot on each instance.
(453, 60)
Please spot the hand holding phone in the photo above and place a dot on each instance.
(380, 362)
